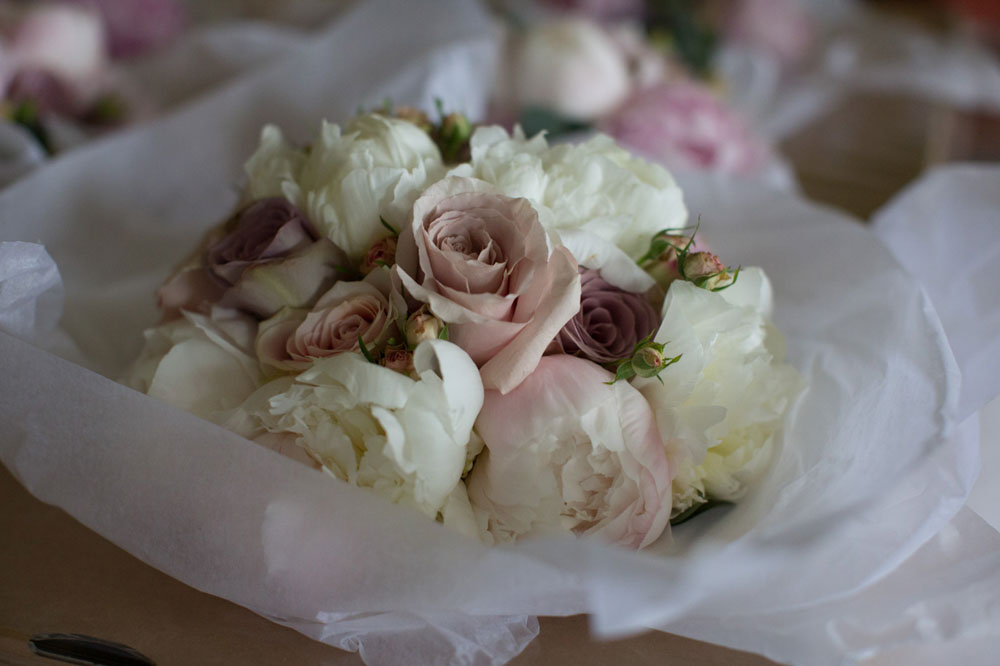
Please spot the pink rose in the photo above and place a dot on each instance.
(135, 27)
(481, 261)
(294, 338)
(567, 452)
(686, 126)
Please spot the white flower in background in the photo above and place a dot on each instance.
(722, 404)
(594, 187)
(372, 427)
(198, 363)
(64, 40)
(572, 67)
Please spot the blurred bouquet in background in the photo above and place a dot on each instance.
(58, 84)
(643, 72)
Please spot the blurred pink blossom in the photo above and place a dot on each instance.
(781, 27)
(601, 9)
(686, 126)
(135, 27)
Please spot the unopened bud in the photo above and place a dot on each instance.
(705, 270)
(415, 116)
(649, 361)
(422, 325)
(399, 360)
(453, 136)
(381, 253)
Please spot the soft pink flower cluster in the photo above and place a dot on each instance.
(597, 68)
(570, 443)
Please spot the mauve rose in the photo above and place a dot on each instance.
(135, 27)
(610, 321)
(294, 338)
(268, 258)
(481, 261)
(686, 127)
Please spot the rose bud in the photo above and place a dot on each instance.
(381, 253)
(661, 264)
(705, 270)
(400, 360)
(415, 116)
(453, 136)
(648, 362)
(273, 258)
(422, 325)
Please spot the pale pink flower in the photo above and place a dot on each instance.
(567, 452)
(135, 27)
(781, 27)
(345, 316)
(481, 261)
(685, 126)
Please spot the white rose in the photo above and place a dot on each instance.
(572, 67)
(721, 406)
(198, 363)
(376, 428)
(376, 167)
(594, 187)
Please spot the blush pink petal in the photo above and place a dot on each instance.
(559, 399)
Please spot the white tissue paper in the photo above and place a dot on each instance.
(857, 50)
(869, 470)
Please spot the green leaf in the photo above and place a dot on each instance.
(364, 350)
(444, 334)
(388, 226)
(536, 119)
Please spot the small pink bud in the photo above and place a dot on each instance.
(705, 270)
(399, 360)
(381, 253)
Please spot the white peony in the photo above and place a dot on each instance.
(198, 364)
(274, 166)
(572, 67)
(372, 427)
(720, 408)
(594, 187)
(376, 167)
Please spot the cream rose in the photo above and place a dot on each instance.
(350, 311)
(481, 261)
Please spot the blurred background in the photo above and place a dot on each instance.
(845, 101)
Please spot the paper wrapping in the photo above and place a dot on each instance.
(868, 471)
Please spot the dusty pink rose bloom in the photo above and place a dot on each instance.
(399, 360)
(267, 258)
(610, 321)
(567, 452)
(294, 338)
(781, 27)
(685, 126)
(481, 261)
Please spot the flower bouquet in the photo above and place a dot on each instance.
(513, 344)
(863, 472)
